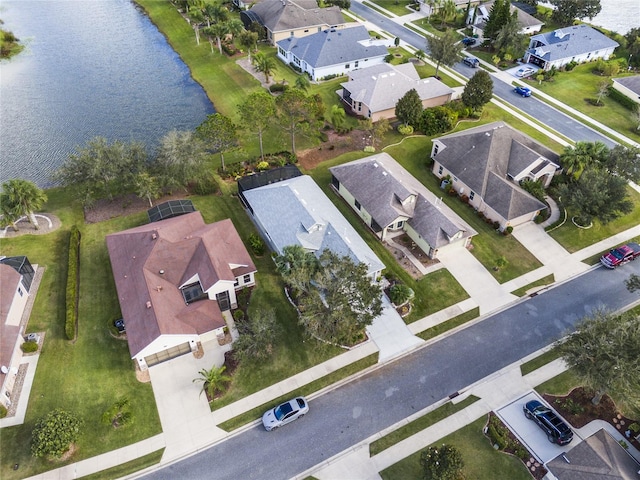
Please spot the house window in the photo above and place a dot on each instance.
(455, 179)
(335, 182)
(357, 204)
(399, 224)
(359, 106)
(20, 291)
(436, 147)
(236, 283)
(440, 170)
(306, 31)
(355, 65)
(291, 34)
(246, 279)
(347, 65)
(192, 293)
(471, 195)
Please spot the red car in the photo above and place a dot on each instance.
(621, 255)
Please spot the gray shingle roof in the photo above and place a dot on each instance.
(483, 157)
(297, 212)
(524, 18)
(381, 185)
(632, 83)
(332, 47)
(381, 86)
(570, 42)
(283, 15)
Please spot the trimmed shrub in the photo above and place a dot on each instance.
(54, 433)
(405, 129)
(229, 49)
(72, 284)
(29, 347)
(400, 293)
(622, 99)
(238, 315)
(3, 411)
(278, 87)
(369, 149)
(257, 245)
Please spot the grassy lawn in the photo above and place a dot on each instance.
(450, 324)
(84, 376)
(125, 469)
(581, 83)
(573, 238)
(539, 361)
(399, 7)
(548, 280)
(559, 385)
(419, 424)
(375, 7)
(481, 461)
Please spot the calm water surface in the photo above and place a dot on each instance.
(90, 67)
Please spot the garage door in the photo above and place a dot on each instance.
(167, 354)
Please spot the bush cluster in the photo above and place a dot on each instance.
(622, 99)
(29, 347)
(72, 284)
(278, 87)
(229, 49)
(257, 245)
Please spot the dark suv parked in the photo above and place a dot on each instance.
(557, 431)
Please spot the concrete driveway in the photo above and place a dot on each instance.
(512, 71)
(529, 433)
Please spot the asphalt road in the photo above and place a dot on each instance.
(546, 114)
(355, 411)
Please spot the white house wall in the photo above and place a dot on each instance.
(223, 286)
(351, 201)
(17, 305)
(585, 57)
(164, 342)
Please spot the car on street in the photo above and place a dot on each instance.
(524, 91)
(525, 72)
(471, 62)
(469, 41)
(621, 255)
(556, 429)
(285, 413)
(119, 324)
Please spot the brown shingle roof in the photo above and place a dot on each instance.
(151, 262)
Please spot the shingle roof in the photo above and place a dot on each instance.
(484, 157)
(332, 47)
(570, 42)
(9, 281)
(152, 261)
(297, 212)
(632, 83)
(283, 15)
(381, 86)
(381, 185)
(524, 18)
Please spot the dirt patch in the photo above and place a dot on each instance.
(336, 145)
(106, 209)
(578, 410)
(47, 223)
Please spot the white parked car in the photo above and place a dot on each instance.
(525, 72)
(285, 413)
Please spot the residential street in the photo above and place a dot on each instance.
(354, 411)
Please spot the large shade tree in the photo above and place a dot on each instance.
(257, 112)
(566, 11)
(498, 16)
(478, 90)
(341, 302)
(180, 159)
(21, 198)
(219, 135)
(297, 113)
(258, 334)
(604, 352)
(409, 108)
(444, 49)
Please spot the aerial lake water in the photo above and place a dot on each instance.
(90, 68)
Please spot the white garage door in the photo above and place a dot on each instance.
(167, 354)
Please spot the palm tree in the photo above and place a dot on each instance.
(447, 11)
(218, 31)
(21, 198)
(248, 40)
(213, 380)
(302, 82)
(235, 27)
(264, 64)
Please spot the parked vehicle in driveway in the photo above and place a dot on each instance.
(621, 255)
(525, 72)
(524, 91)
(556, 429)
(471, 62)
(285, 413)
(468, 41)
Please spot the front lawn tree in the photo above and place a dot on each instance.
(257, 113)
(478, 90)
(409, 108)
(21, 198)
(624, 161)
(297, 267)
(596, 194)
(248, 40)
(509, 40)
(258, 334)
(296, 113)
(341, 302)
(604, 352)
(444, 49)
(219, 134)
(442, 463)
(54, 434)
(581, 155)
(498, 16)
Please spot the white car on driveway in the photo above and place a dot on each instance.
(525, 72)
(285, 413)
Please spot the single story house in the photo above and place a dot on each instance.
(578, 43)
(174, 279)
(628, 86)
(479, 15)
(332, 52)
(389, 199)
(292, 18)
(296, 211)
(373, 92)
(486, 164)
(598, 457)
(16, 278)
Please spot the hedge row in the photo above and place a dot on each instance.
(622, 99)
(72, 284)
